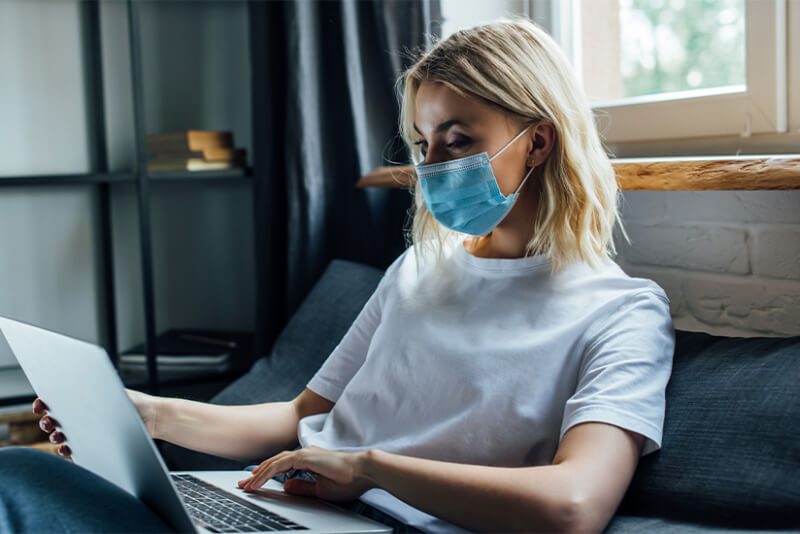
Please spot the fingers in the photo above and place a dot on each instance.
(256, 472)
(48, 423)
(285, 463)
(57, 437)
(245, 484)
(39, 406)
(266, 463)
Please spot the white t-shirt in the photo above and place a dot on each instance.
(490, 361)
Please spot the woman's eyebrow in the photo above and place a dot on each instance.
(444, 126)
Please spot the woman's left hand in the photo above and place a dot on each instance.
(339, 473)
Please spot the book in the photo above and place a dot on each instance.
(188, 351)
(194, 150)
(175, 359)
(193, 342)
(237, 155)
(191, 164)
(134, 368)
(192, 140)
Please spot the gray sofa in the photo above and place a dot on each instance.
(730, 456)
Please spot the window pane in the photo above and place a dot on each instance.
(457, 14)
(649, 47)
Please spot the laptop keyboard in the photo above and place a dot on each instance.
(221, 511)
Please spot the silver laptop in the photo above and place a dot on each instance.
(85, 395)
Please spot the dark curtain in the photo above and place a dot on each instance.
(325, 112)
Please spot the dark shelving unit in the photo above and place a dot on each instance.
(143, 179)
(104, 179)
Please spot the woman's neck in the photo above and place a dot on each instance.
(498, 244)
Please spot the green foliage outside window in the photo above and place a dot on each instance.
(676, 45)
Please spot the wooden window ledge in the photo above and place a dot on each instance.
(780, 171)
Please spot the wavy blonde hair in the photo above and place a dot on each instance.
(514, 64)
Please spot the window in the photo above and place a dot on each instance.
(664, 69)
(634, 48)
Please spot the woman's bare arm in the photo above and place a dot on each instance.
(579, 492)
(235, 432)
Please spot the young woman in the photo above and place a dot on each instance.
(506, 374)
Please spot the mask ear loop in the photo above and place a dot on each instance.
(524, 180)
(508, 145)
(511, 142)
(515, 194)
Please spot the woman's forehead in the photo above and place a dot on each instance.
(436, 103)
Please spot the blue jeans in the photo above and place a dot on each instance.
(40, 492)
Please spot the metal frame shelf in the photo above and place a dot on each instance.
(185, 176)
(67, 179)
(124, 177)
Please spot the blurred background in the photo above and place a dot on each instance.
(101, 246)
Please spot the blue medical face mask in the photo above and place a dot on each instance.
(463, 194)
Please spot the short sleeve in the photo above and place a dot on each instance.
(348, 356)
(625, 369)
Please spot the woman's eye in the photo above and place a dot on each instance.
(458, 143)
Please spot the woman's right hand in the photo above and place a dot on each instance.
(145, 405)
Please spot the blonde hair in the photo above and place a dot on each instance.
(514, 64)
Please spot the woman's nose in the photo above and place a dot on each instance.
(435, 155)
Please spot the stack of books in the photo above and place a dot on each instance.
(182, 353)
(194, 150)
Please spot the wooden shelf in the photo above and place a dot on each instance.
(718, 173)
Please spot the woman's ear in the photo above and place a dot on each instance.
(544, 139)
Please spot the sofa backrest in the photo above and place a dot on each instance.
(309, 337)
(731, 447)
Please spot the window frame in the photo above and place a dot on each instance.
(758, 107)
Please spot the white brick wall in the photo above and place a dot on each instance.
(728, 260)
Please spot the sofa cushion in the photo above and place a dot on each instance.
(731, 447)
(629, 524)
(306, 341)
